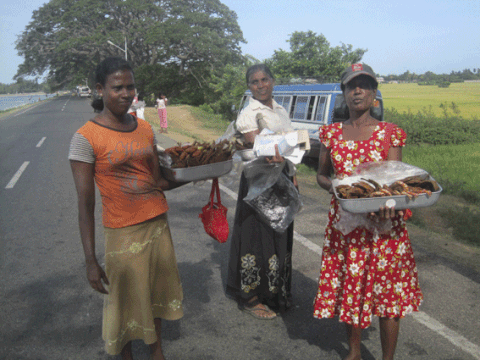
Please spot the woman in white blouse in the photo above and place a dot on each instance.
(260, 265)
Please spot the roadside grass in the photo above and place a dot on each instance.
(414, 98)
(455, 167)
(209, 119)
(151, 116)
(457, 170)
(214, 123)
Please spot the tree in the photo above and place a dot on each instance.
(311, 56)
(229, 87)
(67, 38)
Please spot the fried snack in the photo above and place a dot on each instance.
(197, 154)
(411, 187)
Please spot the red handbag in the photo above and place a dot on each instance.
(214, 216)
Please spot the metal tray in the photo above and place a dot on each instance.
(365, 205)
(247, 154)
(196, 173)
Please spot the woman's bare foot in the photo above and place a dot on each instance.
(258, 310)
(261, 311)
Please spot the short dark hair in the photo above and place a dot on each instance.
(107, 67)
(258, 67)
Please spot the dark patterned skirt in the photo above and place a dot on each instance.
(260, 258)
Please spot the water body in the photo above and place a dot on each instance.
(13, 101)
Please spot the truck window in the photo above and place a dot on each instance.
(300, 108)
(283, 100)
(311, 104)
(320, 111)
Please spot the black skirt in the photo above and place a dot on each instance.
(260, 258)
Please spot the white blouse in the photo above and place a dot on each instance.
(276, 119)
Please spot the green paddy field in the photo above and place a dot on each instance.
(414, 98)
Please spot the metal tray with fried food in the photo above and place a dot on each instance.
(196, 173)
(400, 202)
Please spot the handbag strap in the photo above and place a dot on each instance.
(388, 139)
(215, 189)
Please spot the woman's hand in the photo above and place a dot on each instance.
(277, 158)
(96, 275)
(384, 213)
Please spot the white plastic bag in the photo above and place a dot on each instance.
(383, 172)
(347, 222)
(277, 205)
(271, 194)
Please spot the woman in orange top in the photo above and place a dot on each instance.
(117, 151)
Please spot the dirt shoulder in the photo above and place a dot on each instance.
(182, 125)
(435, 238)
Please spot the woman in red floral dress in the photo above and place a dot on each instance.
(364, 274)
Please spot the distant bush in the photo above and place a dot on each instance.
(426, 128)
(464, 221)
(207, 108)
(430, 83)
(442, 84)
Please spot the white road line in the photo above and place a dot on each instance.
(307, 243)
(65, 104)
(41, 142)
(229, 192)
(27, 109)
(15, 178)
(455, 338)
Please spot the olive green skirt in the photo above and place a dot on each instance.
(144, 282)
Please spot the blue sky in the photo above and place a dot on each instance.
(419, 36)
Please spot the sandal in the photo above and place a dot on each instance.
(256, 312)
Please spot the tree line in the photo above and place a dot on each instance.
(24, 86)
(429, 78)
(188, 49)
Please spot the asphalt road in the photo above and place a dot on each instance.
(48, 310)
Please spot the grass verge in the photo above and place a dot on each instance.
(455, 167)
(210, 120)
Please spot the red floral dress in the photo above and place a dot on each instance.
(364, 274)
